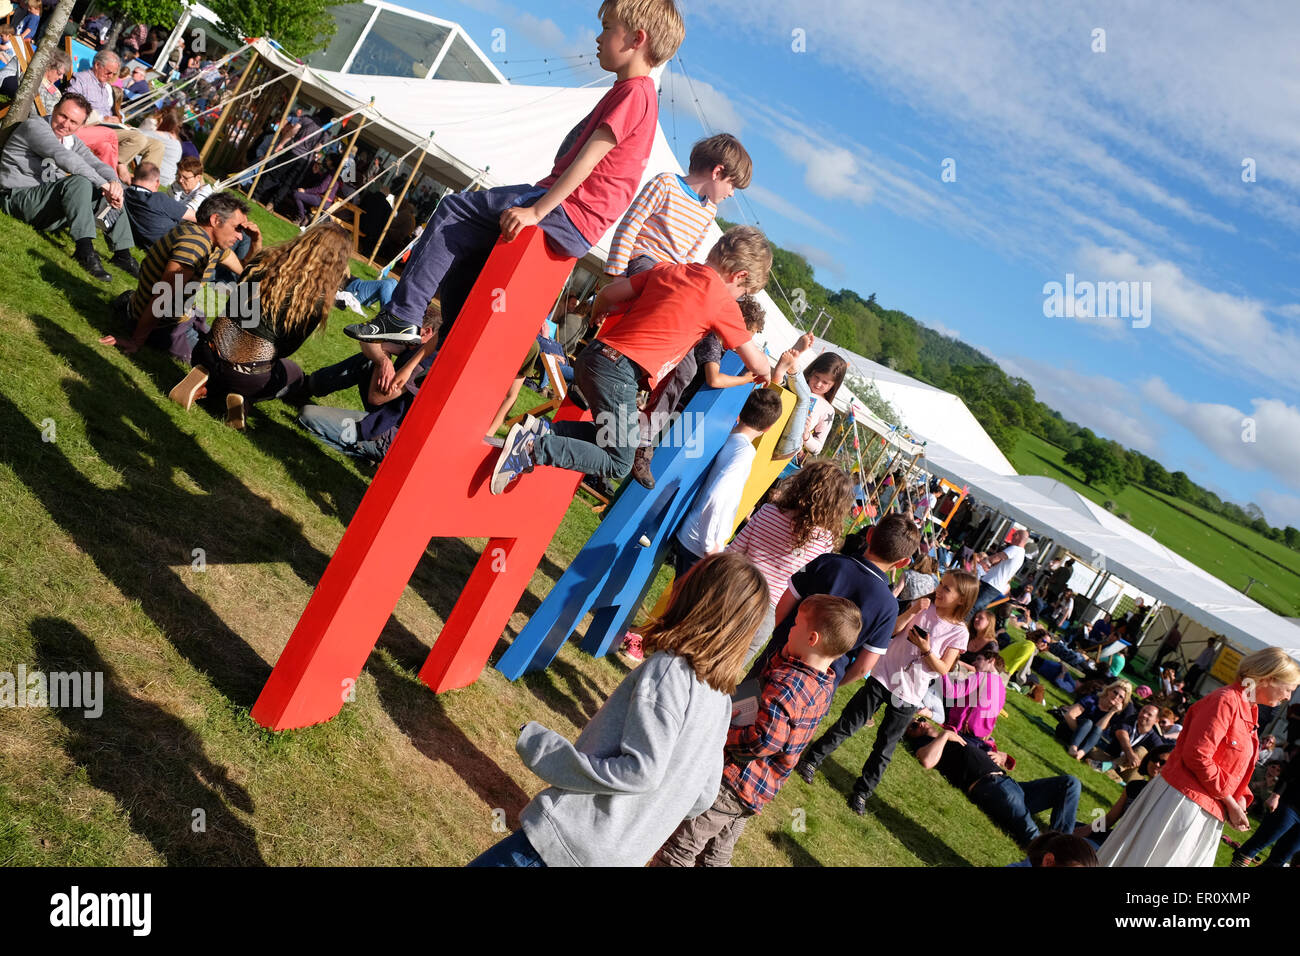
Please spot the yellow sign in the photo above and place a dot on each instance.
(1225, 665)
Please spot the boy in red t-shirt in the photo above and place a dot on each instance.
(669, 309)
(596, 173)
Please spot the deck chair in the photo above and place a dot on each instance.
(23, 54)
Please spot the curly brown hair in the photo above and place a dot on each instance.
(818, 495)
(297, 279)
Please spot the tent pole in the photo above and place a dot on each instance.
(397, 204)
(225, 111)
(347, 151)
(279, 129)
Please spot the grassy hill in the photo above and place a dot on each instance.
(109, 497)
(1228, 551)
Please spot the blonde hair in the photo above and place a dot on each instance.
(838, 620)
(711, 618)
(743, 249)
(660, 19)
(297, 279)
(1123, 686)
(1272, 663)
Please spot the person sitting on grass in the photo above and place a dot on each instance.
(669, 308)
(1148, 769)
(985, 778)
(157, 312)
(794, 694)
(245, 357)
(367, 435)
(189, 187)
(652, 755)
(1082, 724)
(974, 701)
(153, 214)
(50, 179)
(1130, 743)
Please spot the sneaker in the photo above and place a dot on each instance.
(805, 770)
(235, 411)
(384, 328)
(187, 392)
(858, 803)
(537, 427)
(495, 442)
(641, 467)
(632, 647)
(516, 458)
(123, 260)
(90, 261)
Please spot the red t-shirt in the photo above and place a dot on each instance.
(675, 306)
(631, 111)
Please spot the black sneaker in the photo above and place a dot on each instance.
(805, 770)
(858, 803)
(385, 328)
(90, 261)
(123, 260)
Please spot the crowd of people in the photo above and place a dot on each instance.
(684, 752)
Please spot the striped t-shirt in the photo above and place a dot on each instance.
(766, 541)
(189, 246)
(667, 222)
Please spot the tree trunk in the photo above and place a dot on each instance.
(35, 75)
(115, 34)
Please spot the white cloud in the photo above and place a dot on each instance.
(820, 259)
(1267, 438)
(789, 210)
(831, 172)
(695, 96)
(1231, 332)
(1280, 509)
(1110, 408)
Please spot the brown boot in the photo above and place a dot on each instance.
(641, 467)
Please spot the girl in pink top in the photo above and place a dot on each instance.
(803, 520)
(975, 700)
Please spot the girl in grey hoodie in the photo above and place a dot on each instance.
(652, 755)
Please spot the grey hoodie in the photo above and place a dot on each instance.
(650, 758)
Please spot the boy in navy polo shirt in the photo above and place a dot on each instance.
(864, 580)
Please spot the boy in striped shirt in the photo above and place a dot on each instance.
(668, 222)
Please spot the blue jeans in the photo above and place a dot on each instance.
(1282, 827)
(514, 850)
(1084, 736)
(792, 438)
(369, 291)
(453, 249)
(1012, 805)
(338, 427)
(606, 445)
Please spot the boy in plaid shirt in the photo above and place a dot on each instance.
(797, 687)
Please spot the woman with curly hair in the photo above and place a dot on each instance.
(803, 519)
(283, 296)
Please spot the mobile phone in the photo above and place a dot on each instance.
(920, 630)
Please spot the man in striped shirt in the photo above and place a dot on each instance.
(177, 265)
(668, 222)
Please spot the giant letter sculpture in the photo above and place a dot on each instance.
(615, 569)
(434, 482)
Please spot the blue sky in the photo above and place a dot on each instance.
(1122, 164)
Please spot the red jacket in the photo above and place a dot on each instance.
(1216, 751)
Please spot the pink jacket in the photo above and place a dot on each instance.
(974, 703)
(1215, 754)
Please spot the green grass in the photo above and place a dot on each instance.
(98, 573)
(1228, 551)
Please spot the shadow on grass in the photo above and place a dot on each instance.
(150, 761)
(420, 715)
(141, 531)
(795, 853)
(328, 483)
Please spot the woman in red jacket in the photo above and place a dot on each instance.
(1178, 818)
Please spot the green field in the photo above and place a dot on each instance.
(110, 494)
(1229, 551)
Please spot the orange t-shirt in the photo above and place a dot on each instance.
(675, 306)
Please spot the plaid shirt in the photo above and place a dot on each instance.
(759, 757)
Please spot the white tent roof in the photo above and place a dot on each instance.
(1051, 508)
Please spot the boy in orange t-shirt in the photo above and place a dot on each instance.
(669, 308)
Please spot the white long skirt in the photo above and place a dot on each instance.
(1162, 828)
